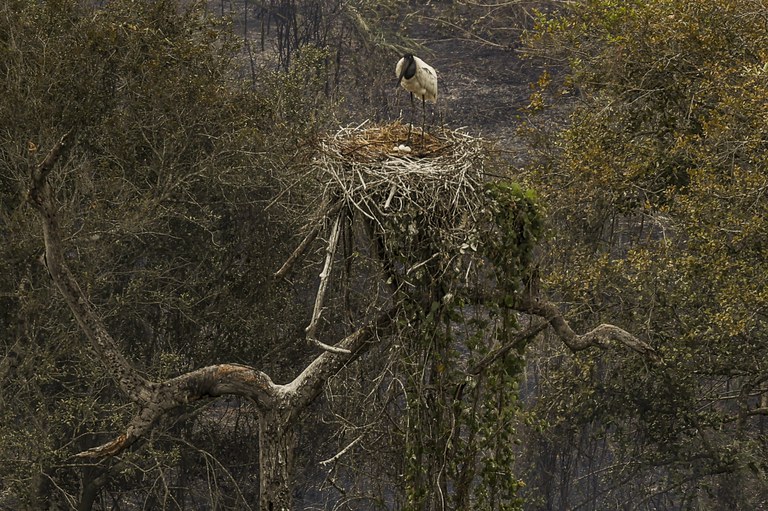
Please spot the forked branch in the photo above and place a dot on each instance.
(207, 382)
(154, 399)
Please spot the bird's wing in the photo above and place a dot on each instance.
(430, 82)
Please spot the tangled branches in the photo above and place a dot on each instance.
(372, 172)
(435, 220)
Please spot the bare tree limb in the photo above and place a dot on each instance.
(308, 239)
(601, 336)
(207, 382)
(135, 386)
(325, 277)
(154, 399)
(342, 452)
(240, 380)
(298, 252)
(307, 385)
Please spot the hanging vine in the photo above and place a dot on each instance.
(443, 235)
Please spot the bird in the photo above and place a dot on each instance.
(419, 78)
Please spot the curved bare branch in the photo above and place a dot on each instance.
(135, 386)
(154, 399)
(207, 382)
(600, 336)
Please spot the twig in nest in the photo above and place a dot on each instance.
(363, 167)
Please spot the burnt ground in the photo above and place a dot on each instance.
(485, 89)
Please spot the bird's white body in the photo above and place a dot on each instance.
(417, 77)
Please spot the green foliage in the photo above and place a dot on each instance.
(516, 229)
(161, 191)
(656, 187)
(460, 430)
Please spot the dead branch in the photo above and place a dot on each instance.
(298, 252)
(207, 382)
(601, 336)
(307, 385)
(306, 242)
(240, 380)
(155, 399)
(325, 276)
(342, 452)
(135, 386)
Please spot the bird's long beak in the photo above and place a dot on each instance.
(402, 72)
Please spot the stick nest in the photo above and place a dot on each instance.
(377, 143)
(432, 192)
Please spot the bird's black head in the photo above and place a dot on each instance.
(409, 68)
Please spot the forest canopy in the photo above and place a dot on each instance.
(210, 295)
(656, 189)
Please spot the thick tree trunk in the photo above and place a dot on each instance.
(88, 495)
(277, 442)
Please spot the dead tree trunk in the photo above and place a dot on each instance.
(277, 441)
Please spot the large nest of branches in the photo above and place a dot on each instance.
(428, 190)
(440, 227)
(433, 216)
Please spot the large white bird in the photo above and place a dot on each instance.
(419, 78)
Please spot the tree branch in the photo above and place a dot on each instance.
(207, 382)
(307, 385)
(41, 197)
(500, 352)
(342, 452)
(214, 381)
(298, 252)
(308, 239)
(601, 336)
(325, 277)
(154, 399)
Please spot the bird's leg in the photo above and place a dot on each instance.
(423, 118)
(413, 113)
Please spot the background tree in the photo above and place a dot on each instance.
(174, 163)
(655, 190)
